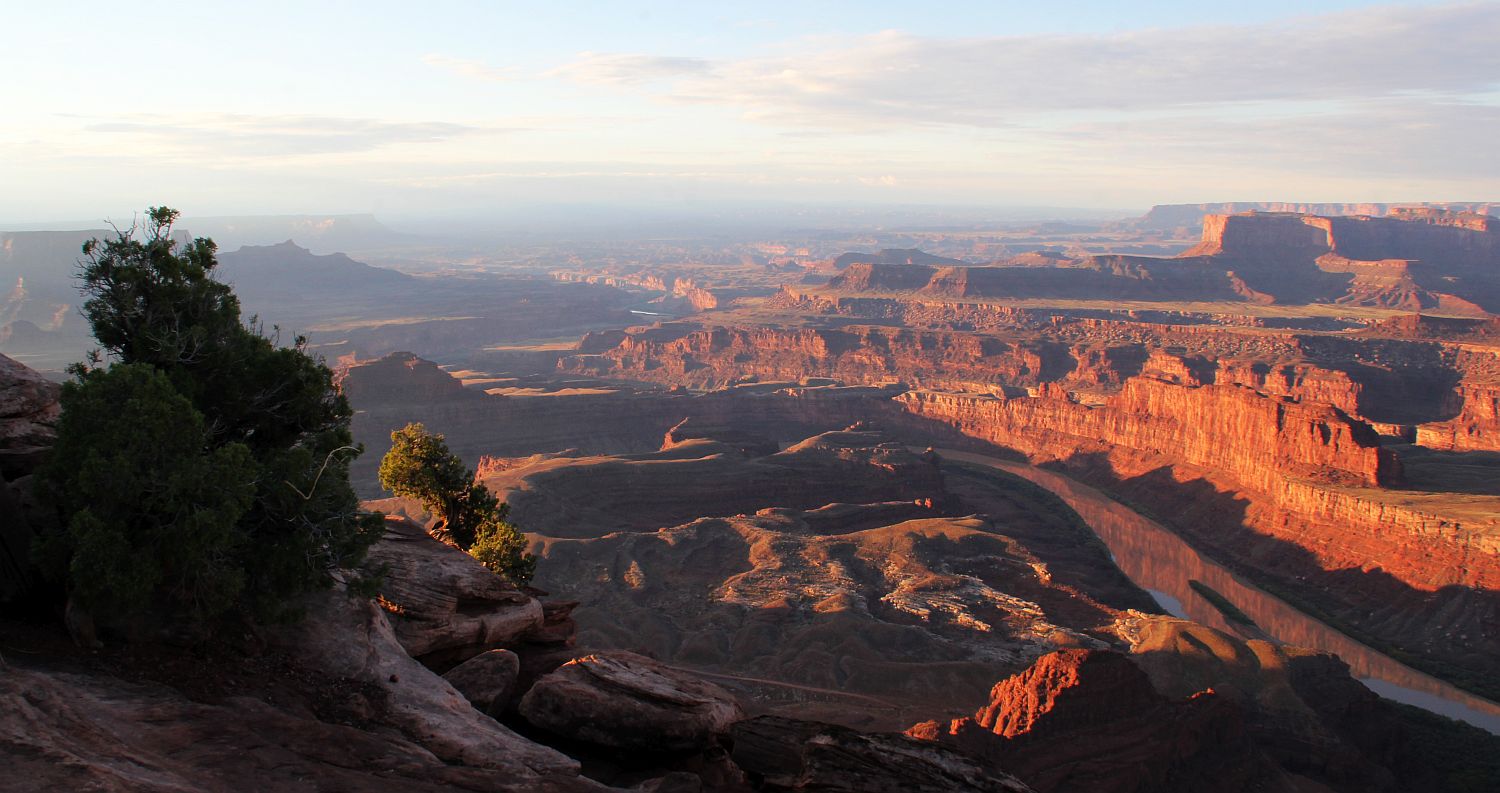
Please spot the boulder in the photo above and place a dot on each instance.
(28, 415)
(792, 755)
(487, 680)
(352, 638)
(444, 605)
(627, 701)
(91, 731)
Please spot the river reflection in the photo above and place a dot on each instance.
(1163, 564)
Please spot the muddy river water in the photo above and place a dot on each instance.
(1161, 563)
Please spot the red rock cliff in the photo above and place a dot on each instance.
(1255, 438)
(1091, 720)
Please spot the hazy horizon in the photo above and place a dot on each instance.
(484, 109)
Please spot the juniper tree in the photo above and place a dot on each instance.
(419, 466)
(251, 417)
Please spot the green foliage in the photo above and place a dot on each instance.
(502, 548)
(252, 506)
(419, 466)
(152, 509)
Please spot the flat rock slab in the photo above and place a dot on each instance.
(441, 600)
(627, 701)
(351, 638)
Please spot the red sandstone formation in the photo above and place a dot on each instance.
(864, 354)
(1190, 708)
(1291, 461)
(1412, 260)
(1257, 439)
(1268, 465)
(1477, 425)
(1091, 720)
(1169, 216)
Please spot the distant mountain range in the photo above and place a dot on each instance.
(39, 299)
(320, 233)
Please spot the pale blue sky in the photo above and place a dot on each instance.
(423, 108)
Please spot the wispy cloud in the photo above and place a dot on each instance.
(893, 78)
(606, 69)
(478, 70)
(1378, 139)
(266, 136)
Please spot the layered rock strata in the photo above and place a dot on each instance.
(441, 602)
(626, 701)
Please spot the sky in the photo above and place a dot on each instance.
(414, 109)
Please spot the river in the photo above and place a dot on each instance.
(1162, 563)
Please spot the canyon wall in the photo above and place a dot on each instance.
(1271, 467)
(1257, 446)
(1257, 439)
(1306, 474)
(1391, 382)
(1411, 260)
(1288, 437)
(707, 357)
(1475, 428)
(1414, 260)
(392, 391)
(1171, 216)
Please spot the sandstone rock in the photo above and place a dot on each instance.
(558, 627)
(352, 638)
(444, 605)
(28, 413)
(790, 755)
(1170, 216)
(74, 731)
(1302, 708)
(854, 599)
(1090, 720)
(746, 443)
(1305, 477)
(1476, 427)
(487, 680)
(28, 406)
(1258, 439)
(627, 701)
